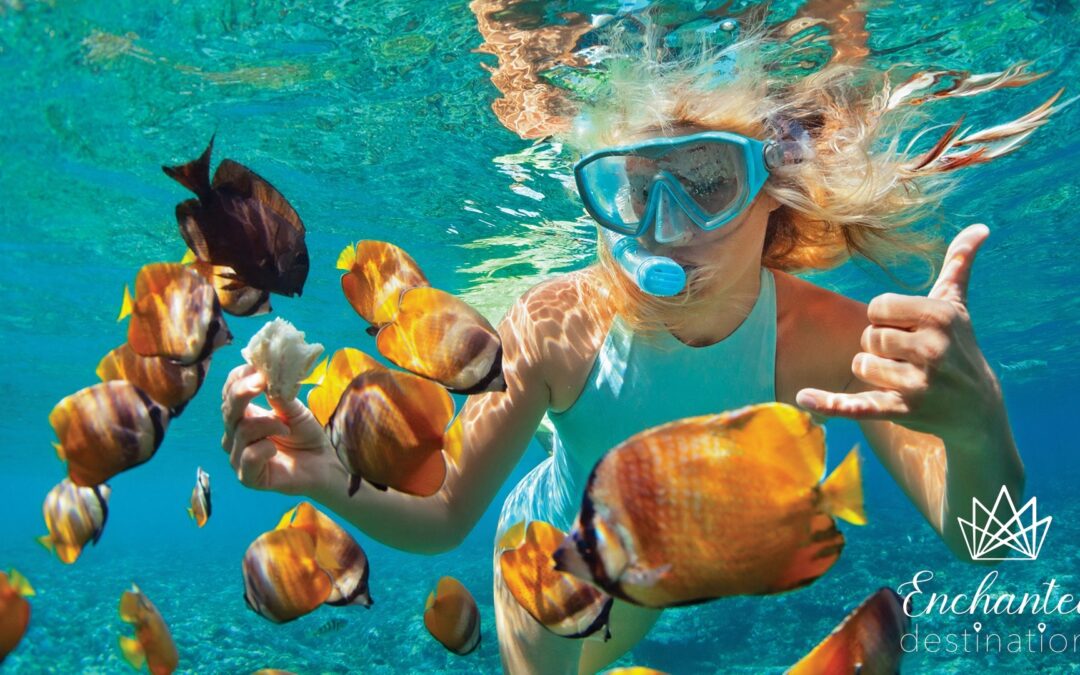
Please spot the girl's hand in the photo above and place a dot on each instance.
(283, 449)
(919, 361)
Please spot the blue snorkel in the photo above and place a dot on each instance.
(655, 274)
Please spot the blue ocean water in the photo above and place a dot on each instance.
(374, 119)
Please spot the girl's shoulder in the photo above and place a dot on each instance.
(817, 334)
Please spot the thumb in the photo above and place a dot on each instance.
(952, 282)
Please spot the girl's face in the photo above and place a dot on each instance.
(706, 172)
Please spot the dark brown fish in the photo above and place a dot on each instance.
(105, 429)
(175, 314)
(164, 380)
(241, 221)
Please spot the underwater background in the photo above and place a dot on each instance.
(374, 119)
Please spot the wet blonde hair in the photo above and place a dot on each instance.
(859, 190)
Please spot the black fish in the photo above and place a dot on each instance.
(241, 221)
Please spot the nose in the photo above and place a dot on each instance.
(672, 226)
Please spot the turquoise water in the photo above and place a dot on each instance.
(374, 119)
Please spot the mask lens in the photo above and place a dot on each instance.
(712, 174)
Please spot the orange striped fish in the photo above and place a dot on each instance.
(164, 380)
(332, 380)
(105, 429)
(388, 429)
(561, 603)
(74, 516)
(336, 552)
(282, 580)
(152, 645)
(451, 616)
(236, 297)
(376, 273)
(174, 314)
(713, 506)
(14, 611)
(442, 338)
(199, 511)
(867, 642)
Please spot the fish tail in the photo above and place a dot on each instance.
(286, 520)
(842, 490)
(346, 258)
(59, 452)
(127, 304)
(133, 652)
(47, 542)
(20, 584)
(189, 257)
(195, 175)
(191, 513)
(318, 373)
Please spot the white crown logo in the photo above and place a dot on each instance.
(988, 538)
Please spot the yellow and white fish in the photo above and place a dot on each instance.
(152, 645)
(332, 378)
(164, 380)
(713, 506)
(74, 516)
(105, 429)
(867, 642)
(336, 552)
(376, 273)
(200, 498)
(452, 617)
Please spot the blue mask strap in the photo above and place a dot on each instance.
(654, 274)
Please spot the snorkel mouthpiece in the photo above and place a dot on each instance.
(653, 274)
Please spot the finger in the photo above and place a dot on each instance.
(892, 343)
(865, 405)
(884, 373)
(251, 430)
(237, 396)
(236, 373)
(909, 311)
(287, 410)
(253, 464)
(952, 283)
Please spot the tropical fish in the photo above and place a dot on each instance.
(236, 297)
(200, 498)
(164, 380)
(105, 429)
(561, 603)
(336, 552)
(175, 314)
(152, 645)
(440, 337)
(273, 671)
(867, 642)
(74, 515)
(388, 429)
(376, 273)
(241, 221)
(14, 610)
(332, 380)
(282, 580)
(634, 670)
(451, 616)
(713, 506)
(331, 626)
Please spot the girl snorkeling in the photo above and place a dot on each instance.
(741, 180)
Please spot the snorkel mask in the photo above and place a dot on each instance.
(670, 185)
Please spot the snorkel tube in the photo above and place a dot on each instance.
(653, 274)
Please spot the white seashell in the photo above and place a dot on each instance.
(279, 352)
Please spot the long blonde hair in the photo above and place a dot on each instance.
(860, 190)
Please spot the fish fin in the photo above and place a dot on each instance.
(191, 513)
(354, 485)
(59, 452)
(318, 373)
(842, 490)
(126, 305)
(20, 584)
(133, 652)
(189, 257)
(346, 258)
(372, 330)
(513, 537)
(430, 601)
(452, 443)
(46, 541)
(195, 175)
(428, 477)
(286, 520)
